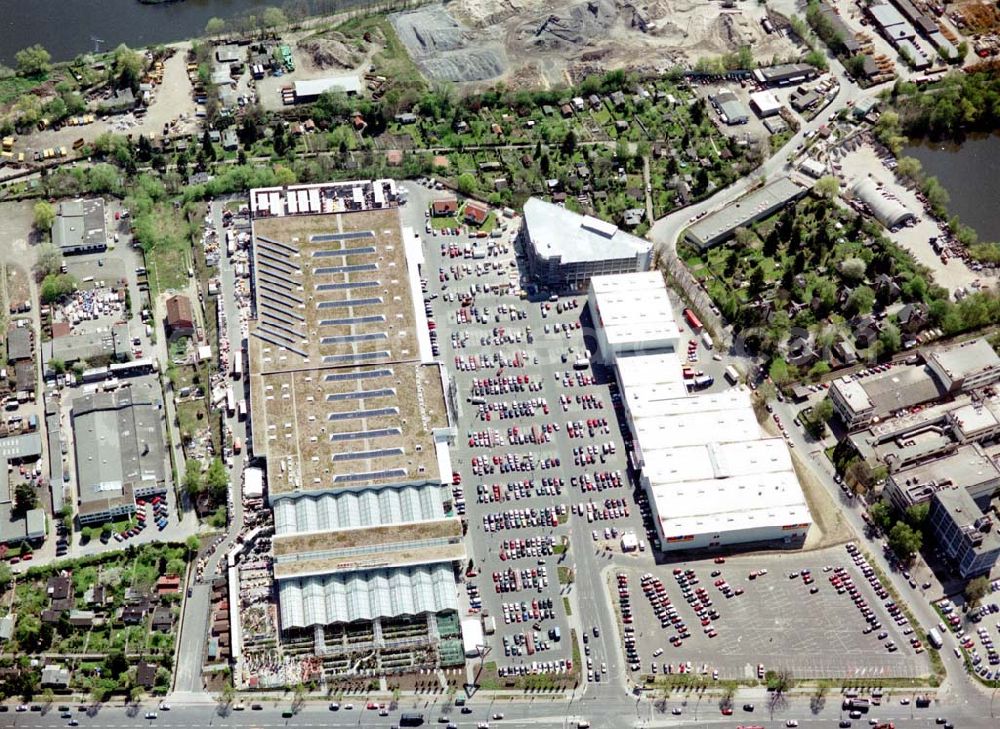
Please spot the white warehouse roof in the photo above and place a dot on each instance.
(663, 368)
(556, 231)
(353, 509)
(672, 431)
(646, 403)
(716, 461)
(348, 84)
(773, 500)
(633, 308)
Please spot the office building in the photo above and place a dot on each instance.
(565, 249)
(965, 366)
(966, 535)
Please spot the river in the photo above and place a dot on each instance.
(970, 172)
(67, 27)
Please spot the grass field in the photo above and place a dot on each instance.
(14, 87)
(168, 248)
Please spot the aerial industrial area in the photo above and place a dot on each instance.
(547, 364)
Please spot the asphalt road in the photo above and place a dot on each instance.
(610, 711)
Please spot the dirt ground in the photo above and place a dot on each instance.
(471, 41)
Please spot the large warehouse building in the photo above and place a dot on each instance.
(565, 249)
(889, 211)
(349, 411)
(615, 300)
(720, 226)
(120, 454)
(713, 477)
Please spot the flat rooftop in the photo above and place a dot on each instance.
(119, 440)
(967, 516)
(716, 461)
(637, 370)
(654, 402)
(574, 238)
(968, 467)
(332, 290)
(672, 431)
(634, 307)
(717, 506)
(326, 429)
(887, 392)
(339, 396)
(747, 209)
(411, 543)
(966, 359)
(80, 223)
(975, 418)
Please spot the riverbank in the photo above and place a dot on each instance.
(970, 172)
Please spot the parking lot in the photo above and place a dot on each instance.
(785, 612)
(538, 442)
(976, 632)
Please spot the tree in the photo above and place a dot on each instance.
(215, 26)
(881, 514)
(861, 300)
(569, 144)
(26, 496)
(193, 544)
(56, 287)
(781, 372)
(827, 187)
(905, 541)
(976, 589)
(216, 479)
(193, 483)
(853, 269)
(33, 61)
(49, 261)
(466, 183)
(6, 576)
(127, 68)
(45, 216)
(48, 696)
(823, 410)
(890, 340)
(273, 18)
(916, 515)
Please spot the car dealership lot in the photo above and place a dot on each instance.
(778, 621)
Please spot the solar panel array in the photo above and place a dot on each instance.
(349, 302)
(363, 375)
(360, 394)
(360, 356)
(365, 434)
(385, 473)
(347, 285)
(372, 413)
(361, 455)
(355, 268)
(330, 237)
(347, 320)
(344, 252)
(345, 338)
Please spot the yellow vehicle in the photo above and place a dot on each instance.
(8, 144)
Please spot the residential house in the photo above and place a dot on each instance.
(55, 677)
(475, 213)
(912, 317)
(59, 587)
(168, 585)
(162, 619)
(886, 288)
(145, 675)
(180, 317)
(444, 208)
(618, 99)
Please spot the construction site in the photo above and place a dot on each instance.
(538, 43)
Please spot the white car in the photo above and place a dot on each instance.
(792, 723)
(150, 714)
(164, 706)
